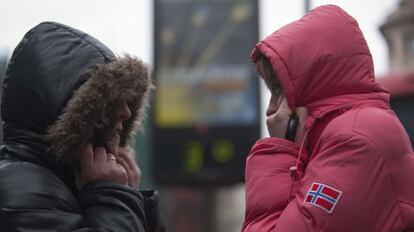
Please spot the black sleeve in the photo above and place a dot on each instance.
(155, 221)
(112, 207)
(33, 199)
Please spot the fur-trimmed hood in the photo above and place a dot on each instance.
(93, 107)
(62, 86)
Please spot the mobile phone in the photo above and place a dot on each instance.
(98, 140)
(292, 127)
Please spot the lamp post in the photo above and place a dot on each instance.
(307, 5)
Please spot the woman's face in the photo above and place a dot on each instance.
(274, 103)
(123, 114)
(267, 74)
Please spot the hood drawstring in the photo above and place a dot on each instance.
(294, 169)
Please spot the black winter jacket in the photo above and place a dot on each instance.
(61, 87)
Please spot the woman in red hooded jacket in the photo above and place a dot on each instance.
(349, 167)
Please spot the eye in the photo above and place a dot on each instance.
(129, 103)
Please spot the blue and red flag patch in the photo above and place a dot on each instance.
(323, 196)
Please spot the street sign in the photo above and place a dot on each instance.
(205, 114)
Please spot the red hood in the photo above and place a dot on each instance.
(322, 61)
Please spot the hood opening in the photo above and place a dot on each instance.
(94, 105)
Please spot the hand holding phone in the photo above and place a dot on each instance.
(99, 140)
(96, 165)
(286, 123)
(292, 127)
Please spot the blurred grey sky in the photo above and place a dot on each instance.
(123, 25)
(126, 25)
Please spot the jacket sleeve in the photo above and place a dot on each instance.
(110, 207)
(269, 181)
(346, 187)
(155, 220)
(35, 199)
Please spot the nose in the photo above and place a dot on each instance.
(125, 112)
(272, 107)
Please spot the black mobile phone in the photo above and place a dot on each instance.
(292, 127)
(98, 140)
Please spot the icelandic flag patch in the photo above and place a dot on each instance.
(323, 196)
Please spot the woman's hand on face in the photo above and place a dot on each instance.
(277, 123)
(97, 164)
(126, 158)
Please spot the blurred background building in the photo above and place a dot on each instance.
(194, 145)
(398, 30)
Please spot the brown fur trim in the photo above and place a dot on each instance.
(94, 106)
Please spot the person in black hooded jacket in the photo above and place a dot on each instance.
(70, 110)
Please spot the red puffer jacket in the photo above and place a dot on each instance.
(356, 172)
